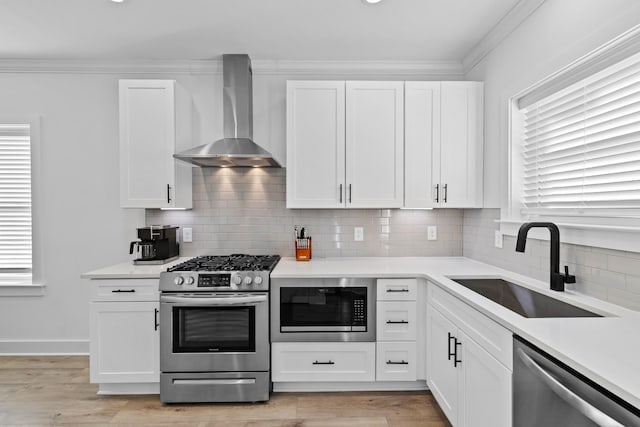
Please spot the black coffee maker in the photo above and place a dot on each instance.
(158, 244)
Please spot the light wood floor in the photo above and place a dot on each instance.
(44, 391)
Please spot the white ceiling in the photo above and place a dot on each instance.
(407, 30)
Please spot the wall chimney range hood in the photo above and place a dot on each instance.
(237, 148)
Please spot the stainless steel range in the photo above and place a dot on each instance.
(214, 329)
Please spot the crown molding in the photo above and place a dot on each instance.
(78, 66)
(361, 69)
(512, 20)
(373, 69)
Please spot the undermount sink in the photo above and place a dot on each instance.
(521, 300)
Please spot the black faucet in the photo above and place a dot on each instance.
(557, 279)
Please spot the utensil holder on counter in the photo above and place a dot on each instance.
(303, 249)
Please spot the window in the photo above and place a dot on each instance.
(15, 200)
(574, 150)
(581, 147)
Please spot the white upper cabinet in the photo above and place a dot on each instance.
(375, 135)
(154, 124)
(344, 144)
(443, 144)
(315, 144)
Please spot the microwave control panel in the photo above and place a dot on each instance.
(359, 312)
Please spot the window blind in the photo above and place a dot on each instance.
(15, 197)
(581, 145)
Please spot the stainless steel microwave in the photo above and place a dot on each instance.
(323, 309)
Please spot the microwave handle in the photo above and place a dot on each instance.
(216, 301)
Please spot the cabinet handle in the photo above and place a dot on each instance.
(168, 193)
(398, 290)
(121, 291)
(445, 193)
(350, 193)
(455, 357)
(155, 320)
(393, 322)
(437, 193)
(389, 362)
(340, 193)
(450, 337)
(323, 363)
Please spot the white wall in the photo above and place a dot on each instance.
(83, 227)
(555, 35)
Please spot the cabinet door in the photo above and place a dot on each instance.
(485, 387)
(421, 144)
(315, 144)
(147, 143)
(374, 129)
(396, 361)
(461, 138)
(441, 374)
(124, 345)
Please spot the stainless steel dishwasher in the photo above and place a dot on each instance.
(548, 393)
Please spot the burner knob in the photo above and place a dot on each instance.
(179, 280)
(237, 279)
(257, 280)
(190, 280)
(247, 280)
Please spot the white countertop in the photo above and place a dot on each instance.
(127, 270)
(606, 349)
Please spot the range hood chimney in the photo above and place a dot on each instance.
(237, 148)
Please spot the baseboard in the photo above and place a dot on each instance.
(44, 347)
(321, 386)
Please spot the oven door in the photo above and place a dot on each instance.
(213, 332)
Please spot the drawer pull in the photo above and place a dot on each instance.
(121, 291)
(324, 363)
(450, 337)
(393, 322)
(398, 290)
(397, 363)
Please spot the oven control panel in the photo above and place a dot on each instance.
(201, 281)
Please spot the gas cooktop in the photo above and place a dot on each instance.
(232, 273)
(235, 262)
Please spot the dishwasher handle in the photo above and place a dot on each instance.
(581, 405)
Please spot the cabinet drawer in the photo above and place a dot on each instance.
(491, 336)
(397, 289)
(396, 320)
(323, 361)
(396, 361)
(125, 290)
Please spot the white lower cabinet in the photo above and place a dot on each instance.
(323, 361)
(124, 350)
(469, 381)
(124, 345)
(396, 361)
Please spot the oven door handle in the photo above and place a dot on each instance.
(216, 301)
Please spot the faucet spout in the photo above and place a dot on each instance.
(557, 279)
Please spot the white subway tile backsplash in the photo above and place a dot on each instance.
(243, 210)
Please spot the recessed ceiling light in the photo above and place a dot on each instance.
(371, 1)
(118, 1)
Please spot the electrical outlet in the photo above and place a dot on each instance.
(432, 232)
(358, 234)
(187, 235)
(497, 239)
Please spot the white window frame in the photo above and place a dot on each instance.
(20, 284)
(613, 229)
